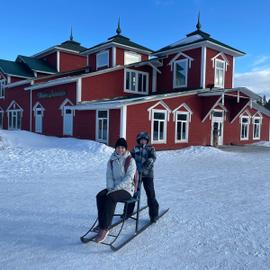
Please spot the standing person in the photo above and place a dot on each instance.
(145, 156)
(121, 169)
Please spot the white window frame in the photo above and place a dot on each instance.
(137, 80)
(186, 60)
(108, 61)
(224, 68)
(97, 125)
(260, 126)
(38, 108)
(14, 112)
(131, 54)
(241, 125)
(1, 118)
(180, 122)
(165, 126)
(2, 88)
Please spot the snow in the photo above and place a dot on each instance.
(219, 204)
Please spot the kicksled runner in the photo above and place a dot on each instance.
(115, 244)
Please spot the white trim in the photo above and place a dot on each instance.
(178, 55)
(206, 43)
(212, 108)
(13, 102)
(154, 81)
(64, 104)
(215, 67)
(240, 112)
(220, 121)
(123, 121)
(223, 57)
(97, 125)
(137, 72)
(164, 141)
(38, 104)
(131, 53)
(117, 45)
(233, 69)
(186, 107)
(203, 66)
(79, 90)
(164, 105)
(58, 60)
(113, 56)
(3, 83)
(51, 50)
(254, 124)
(186, 73)
(64, 80)
(30, 114)
(179, 122)
(241, 125)
(154, 68)
(107, 64)
(19, 83)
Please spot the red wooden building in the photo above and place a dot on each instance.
(182, 94)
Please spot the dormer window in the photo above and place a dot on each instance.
(131, 57)
(102, 59)
(219, 73)
(2, 88)
(180, 73)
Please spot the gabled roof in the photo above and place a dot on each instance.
(120, 40)
(197, 37)
(36, 64)
(72, 45)
(15, 69)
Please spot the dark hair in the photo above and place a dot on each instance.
(121, 142)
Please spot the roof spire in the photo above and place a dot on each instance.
(118, 30)
(71, 34)
(198, 25)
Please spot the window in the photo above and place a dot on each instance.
(2, 88)
(102, 126)
(14, 119)
(159, 126)
(244, 128)
(180, 73)
(1, 117)
(219, 73)
(102, 59)
(256, 128)
(136, 81)
(182, 125)
(131, 57)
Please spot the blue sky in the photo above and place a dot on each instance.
(31, 26)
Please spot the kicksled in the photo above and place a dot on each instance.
(113, 243)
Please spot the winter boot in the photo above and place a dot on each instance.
(102, 235)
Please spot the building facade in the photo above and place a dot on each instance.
(182, 94)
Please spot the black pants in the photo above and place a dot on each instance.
(106, 205)
(148, 184)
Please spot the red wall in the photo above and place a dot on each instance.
(138, 120)
(210, 70)
(107, 85)
(51, 59)
(114, 126)
(52, 119)
(165, 79)
(22, 98)
(85, 125)
(69, 61)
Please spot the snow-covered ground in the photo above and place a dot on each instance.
(219, 203)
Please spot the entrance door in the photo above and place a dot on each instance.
(68, 122)
(38, 121)
(217, 128)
